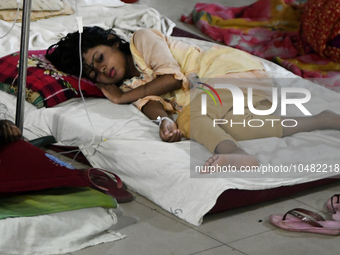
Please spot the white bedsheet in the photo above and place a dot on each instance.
(127, 143)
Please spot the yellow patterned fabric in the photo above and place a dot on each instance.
(31, 96)
(155, 54)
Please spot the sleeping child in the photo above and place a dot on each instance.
(155, 73)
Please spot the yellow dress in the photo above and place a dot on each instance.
(155, 54)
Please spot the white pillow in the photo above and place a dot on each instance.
(37, 5)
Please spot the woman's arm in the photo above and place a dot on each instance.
(160, 85)
(168, 130)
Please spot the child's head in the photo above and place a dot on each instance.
(64, 55)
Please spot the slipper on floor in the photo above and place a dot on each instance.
(302, 220)
(333, 205)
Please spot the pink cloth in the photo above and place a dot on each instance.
(268, 29)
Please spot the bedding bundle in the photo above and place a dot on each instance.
(46, 88)
(41, 186)
(299, 36)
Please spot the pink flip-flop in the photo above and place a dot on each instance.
(333, 205)
(302, 220)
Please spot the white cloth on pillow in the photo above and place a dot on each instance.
(37, 5)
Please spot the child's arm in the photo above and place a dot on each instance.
(150, 48)
(168, 130)
(9, 132)
(160, 85)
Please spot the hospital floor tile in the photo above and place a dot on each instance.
(152, 230)
(318, 198)
(149, 232)
(245, 222)
(153, 206)
(280, 242)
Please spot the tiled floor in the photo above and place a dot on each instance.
(153, 231)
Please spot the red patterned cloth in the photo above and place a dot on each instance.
(53, 85)
(24, 167)
(319, 25)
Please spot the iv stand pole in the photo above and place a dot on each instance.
(25, 29)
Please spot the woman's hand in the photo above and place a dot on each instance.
(111, 92)
(169, 132)
(9, 132)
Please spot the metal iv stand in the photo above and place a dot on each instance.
(25, 29)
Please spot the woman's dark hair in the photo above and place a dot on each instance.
(64, 55)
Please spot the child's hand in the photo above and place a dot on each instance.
(169, 132)
(111, 92)
(9, 132)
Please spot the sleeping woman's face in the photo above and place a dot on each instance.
(105, 64)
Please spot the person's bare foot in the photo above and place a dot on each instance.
(217, 159)
(229, 162)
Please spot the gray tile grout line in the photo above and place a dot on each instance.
(180, 222)
(316, 189)
(318, 209)
(222, 243)
(188, 226)
(165, 214)
(217, 247)
(249, 237)
(207, 249)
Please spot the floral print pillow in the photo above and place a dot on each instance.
(53, 86)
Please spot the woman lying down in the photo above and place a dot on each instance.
(153, 72)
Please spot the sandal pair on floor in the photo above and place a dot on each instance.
(302, 220)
